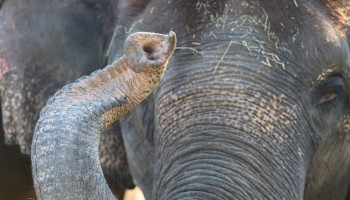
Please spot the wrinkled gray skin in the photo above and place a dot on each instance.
(43, 46)
(254, 104)
(66, 138)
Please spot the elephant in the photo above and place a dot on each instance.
(45, 45)
(254, 105)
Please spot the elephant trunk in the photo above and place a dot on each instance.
(65, 144)
(238, 139)
(214, 161)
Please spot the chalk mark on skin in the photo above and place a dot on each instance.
(295, 2)
(140, 21)
(111, 43)
(295, 35)
(190, 48)
(223, 56)
(266, 19)
(225, 16)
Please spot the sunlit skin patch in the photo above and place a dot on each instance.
(4, 67)
(340, 14)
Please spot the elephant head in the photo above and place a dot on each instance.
(254, 104)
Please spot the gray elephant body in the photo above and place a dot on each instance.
(254, 104)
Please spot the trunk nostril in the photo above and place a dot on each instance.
(150, 52)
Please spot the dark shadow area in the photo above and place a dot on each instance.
(15, 173)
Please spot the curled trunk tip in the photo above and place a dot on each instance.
(149, 51)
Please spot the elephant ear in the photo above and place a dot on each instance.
(113, 159)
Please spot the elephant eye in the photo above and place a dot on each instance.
(331, 92)
(328, 96)
(330, 103)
